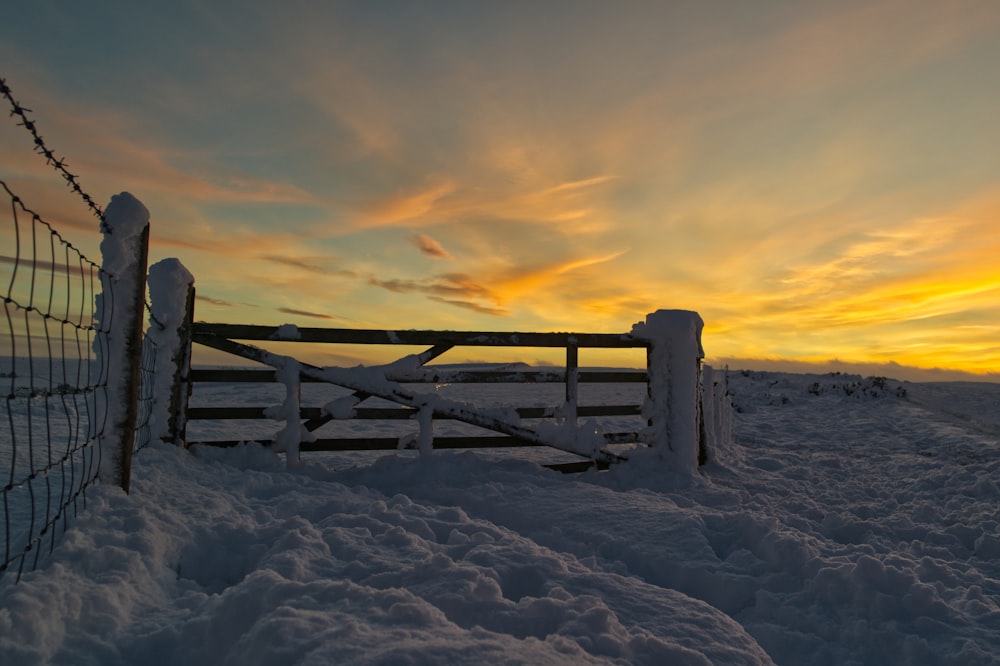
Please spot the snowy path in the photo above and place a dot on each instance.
(839, 529)
(900, 503)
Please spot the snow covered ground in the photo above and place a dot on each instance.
(847, 524)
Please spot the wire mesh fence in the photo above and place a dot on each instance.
(49, 456)
(57, 369)
(147, 368)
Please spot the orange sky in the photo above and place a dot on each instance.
(818, 180)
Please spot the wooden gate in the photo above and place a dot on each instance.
(390, 381)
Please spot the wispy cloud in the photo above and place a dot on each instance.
(495, 291)
(447, 284)
(323, 265)
(430, 247)
(402, 208)
(576, 264)
(306, 313)
(452, 201)
(471, 305)
(520, 281)
(57, 264)
(213, 301)
(926, 291)
(146, 165)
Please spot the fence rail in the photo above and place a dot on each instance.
(422, 337)
(253, 375)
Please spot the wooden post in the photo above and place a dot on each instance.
(180, 390)
(120, 310)
(716, 414)
(171, 317)
(702, 427)
(572, 380)
(133, 352)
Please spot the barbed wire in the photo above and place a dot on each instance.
(58, 163)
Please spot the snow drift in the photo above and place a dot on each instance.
(841, 526)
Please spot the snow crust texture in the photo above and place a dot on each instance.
(840, 527)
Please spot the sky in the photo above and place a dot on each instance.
(820, 181)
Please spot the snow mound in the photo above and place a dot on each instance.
(752, 388)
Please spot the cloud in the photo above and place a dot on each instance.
(574, 185)
(576, 264)
(430, 247)
(924, 293)
(46, 262)
(475, 307)
(321, 265)
(926, 268)
(410, 206)
(306, 313)
(446, 284)
(213, 301)
(147, 166)
(521, 281)
(113, 151)
(471, 200)
(544, 288)
(455, 289)
(292, 262)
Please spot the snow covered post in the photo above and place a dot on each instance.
(171, 311)
(717, 414)
(118, 343)
(674, 366)
(289, 439)
(425, 435)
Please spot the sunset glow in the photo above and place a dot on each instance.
(820, 181)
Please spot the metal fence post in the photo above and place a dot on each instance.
(120, 309)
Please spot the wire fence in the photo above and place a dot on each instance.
(147, 369)
(51, 158)
(55, 371)
(50, 454)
